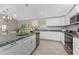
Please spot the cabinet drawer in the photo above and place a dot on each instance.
(75, 46)
(27, 42)
(27, 50)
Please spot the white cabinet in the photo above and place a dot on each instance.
(67, 19)
(20, 47)
(50, 35)
(28, 45)
(75, 46)
(55, 21)
(14, 48)
(62, 38)
(76, 9)
(71, 14)
(33, 40)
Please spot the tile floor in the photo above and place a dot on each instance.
(50, 48)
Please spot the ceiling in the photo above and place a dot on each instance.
(22, 12)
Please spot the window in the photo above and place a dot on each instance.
(41, 23)
(3, 27)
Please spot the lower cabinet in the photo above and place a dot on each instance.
(50, 35)
(14, 48)
(29, 45)
(62, 37)
(21, 47)
(26, 46)
(75, 46)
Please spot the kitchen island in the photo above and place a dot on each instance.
(12, 44)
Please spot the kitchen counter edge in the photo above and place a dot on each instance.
(20, 38)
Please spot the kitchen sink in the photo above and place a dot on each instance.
(22, 34)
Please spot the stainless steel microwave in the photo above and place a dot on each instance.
(74, 19)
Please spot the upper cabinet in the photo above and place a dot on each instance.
(67, 19)
(76, 9)
(55, 21)
(73, 12)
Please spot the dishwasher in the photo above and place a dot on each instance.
(69, 43)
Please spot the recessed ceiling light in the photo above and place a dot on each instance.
(3, 17)
(8, 17)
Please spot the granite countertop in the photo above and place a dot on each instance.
(74, 35)
(59, 30)
(10, 38)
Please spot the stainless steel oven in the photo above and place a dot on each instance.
(69, 43)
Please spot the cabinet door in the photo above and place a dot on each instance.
(50, 35)
(62, 38)
(33, 42)
(76, 9)
(19, 47)
(44, 35)
(27, 46)
(75, 46)
(14, 48)
(69, 15)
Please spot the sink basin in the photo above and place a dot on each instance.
(22, 34)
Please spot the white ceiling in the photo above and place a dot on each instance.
(35, 10)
